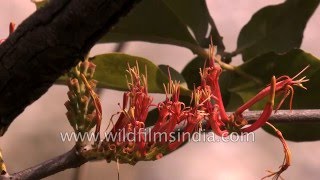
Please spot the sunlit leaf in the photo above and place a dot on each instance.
(111, 72)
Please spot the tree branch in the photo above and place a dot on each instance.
(73, 159)
(47, 44)
(287, 116)
(70, 159)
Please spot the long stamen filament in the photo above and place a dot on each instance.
(304, 69)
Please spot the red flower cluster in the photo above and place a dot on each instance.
(207, 108)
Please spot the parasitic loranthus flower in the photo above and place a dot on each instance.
(129, 140)
(221, 123)
(130, 146)
(136, 104)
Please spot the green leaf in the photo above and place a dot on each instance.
(277, 28)
(40, 3)
(225, 81)
(175, 75)
(267, 65)
(174, 22)
(234, 101)
(191, 72)
(111, 72)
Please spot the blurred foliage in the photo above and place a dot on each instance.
(191, 72)
(165, 21)
(276, 28)
(174, 74)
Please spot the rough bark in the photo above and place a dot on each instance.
(46, 45)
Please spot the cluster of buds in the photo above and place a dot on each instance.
(129, 141)
(82, 113)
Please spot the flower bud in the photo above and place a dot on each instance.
(73, 85)
(72, 97)
(84, 67)
(68, 105)
(91, 70)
